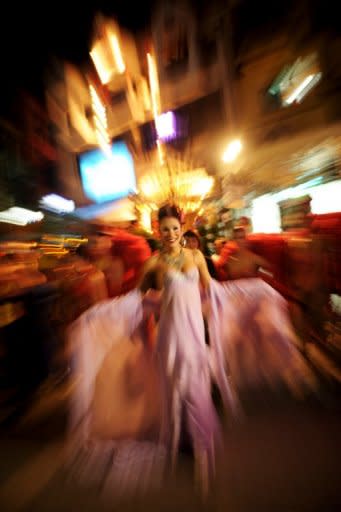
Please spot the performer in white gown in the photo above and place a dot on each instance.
(129, 392)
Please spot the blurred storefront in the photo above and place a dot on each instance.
(195, 79)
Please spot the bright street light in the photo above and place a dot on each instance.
(232, 151)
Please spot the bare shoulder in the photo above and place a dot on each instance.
(188, 252)
(151, 263)
(189, 255)
(194, 256)
(149, 270)
(198, 256)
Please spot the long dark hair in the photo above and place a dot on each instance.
(192, 234)
(170, 210)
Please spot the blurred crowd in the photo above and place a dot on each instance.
(46, 284)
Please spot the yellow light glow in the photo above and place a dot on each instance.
(101, 128)
(202, 186)
(101, 124)
(145, 94)
(160, 152)
(155, 96)
(101, 65)
(189, 187)
(147, 188)
(102, 138)
(154, 85)
(97, 104)
(145, 217)
(116, 50)
(232, 151)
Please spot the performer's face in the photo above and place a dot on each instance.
(170, 232)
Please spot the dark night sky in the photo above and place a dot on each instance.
(30, 34)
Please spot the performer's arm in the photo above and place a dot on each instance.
(149, 275)
(200, 262)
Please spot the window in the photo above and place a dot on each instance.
(174, 43)
(117, 98)
(207, 48)
(294, 82)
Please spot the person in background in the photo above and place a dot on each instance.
(219, 245)
(99, 252)
(225, 223)
(136, 229)
(208, 233)
(192, 240)
(133, 251)
(216, 259)
(193, 243)
(240, 262)
(245, 222)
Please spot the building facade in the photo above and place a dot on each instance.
(274, 88)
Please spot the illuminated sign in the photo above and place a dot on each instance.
(294, 82)
(166, 126)
(56, 203)
(101, 123)
(20, 216)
